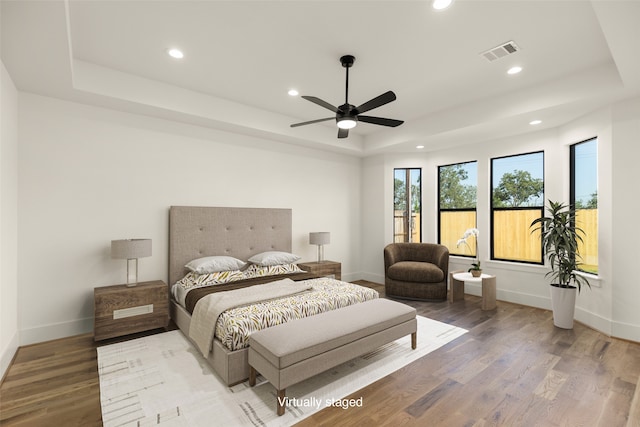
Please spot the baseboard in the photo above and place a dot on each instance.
(55, 331)
(8, 353)
(626, 331)
(83, 326)
(371, 277)
(595, 321)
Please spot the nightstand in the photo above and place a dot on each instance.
(324, 268)
(121, 310)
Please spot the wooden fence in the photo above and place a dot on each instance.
(400, 234)
(511, 238)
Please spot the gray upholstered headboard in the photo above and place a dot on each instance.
(195, 232)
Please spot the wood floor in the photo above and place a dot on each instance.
(512, 368)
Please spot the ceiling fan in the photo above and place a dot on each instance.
(347, 115)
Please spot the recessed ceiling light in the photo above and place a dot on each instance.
(514, 70)
(441, 4)
(175, 53)
(293, 92)
(535, 122)
(419, 147)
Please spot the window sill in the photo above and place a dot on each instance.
(593, 279)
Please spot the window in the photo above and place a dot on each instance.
(457, 195)
(517, 198)
(584, 196)
(407, 205)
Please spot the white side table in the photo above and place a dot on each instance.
(457, 280)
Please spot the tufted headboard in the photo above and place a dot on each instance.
(195, 232)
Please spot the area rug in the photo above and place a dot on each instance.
(163, 380)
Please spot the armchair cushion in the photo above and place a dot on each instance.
(415, 271)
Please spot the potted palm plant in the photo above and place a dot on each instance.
(560, 237)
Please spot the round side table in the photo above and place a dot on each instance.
(457, 279)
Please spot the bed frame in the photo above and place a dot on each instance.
(196, 232)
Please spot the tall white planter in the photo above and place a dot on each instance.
(563, 304)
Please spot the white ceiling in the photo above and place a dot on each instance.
(241, 58)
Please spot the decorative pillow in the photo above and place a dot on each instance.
(195, 280)
(213, 264)
(255, 270)
(274, 258)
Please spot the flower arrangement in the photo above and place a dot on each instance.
(475, 267)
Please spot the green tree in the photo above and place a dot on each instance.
(400, 195)
(415, 196)
(517, 189)
(399, 198)
(453, 193)
(592, 203)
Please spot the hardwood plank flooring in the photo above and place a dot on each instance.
(512, 368)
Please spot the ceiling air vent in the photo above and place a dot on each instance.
(501, 51)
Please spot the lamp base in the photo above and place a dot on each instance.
(132, 272)
(320, 253)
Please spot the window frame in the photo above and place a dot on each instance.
(493, 209)
(408, 169)
(441, 210)
(572, 186)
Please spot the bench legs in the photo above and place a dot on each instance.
(252, 376)
(280, 402)
(281, 398)
(281, 393)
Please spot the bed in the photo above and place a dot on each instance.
(196, 232)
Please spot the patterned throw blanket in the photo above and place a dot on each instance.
(237, 324)
(209, 308)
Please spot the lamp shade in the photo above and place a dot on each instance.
(319, 238)
(130, 248)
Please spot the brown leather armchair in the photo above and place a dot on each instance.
(416, 271)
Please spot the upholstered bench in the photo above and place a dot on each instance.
(294, 351)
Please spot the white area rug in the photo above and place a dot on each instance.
(163, 380)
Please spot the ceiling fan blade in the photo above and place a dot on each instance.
(380, 121)
(376, 102)
(343, 133)
(312, 122)
(321, 103)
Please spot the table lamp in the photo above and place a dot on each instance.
(131, 250)
(320, 238)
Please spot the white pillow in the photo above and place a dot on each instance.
(274, 258)
(213, 264)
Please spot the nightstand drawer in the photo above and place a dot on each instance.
(121, 310)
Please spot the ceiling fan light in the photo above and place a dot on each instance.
(347, 123)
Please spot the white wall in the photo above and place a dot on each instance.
(611, 305)
(89, 175)
(8, 219)
(626, 251)
(374, 199)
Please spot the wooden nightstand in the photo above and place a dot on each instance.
(324, 268)
(120, 310)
